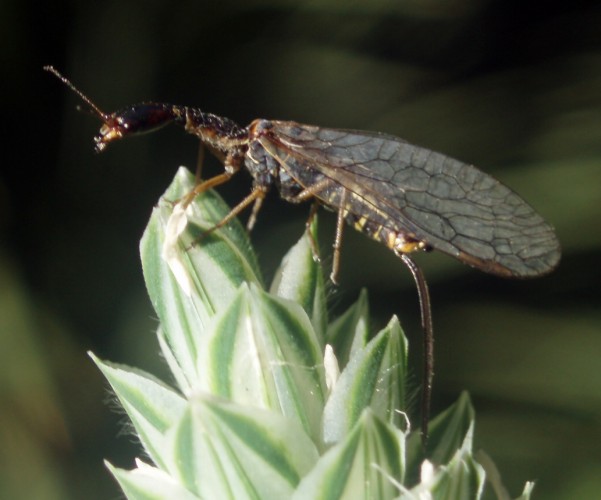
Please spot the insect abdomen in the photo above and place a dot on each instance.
(397, 241)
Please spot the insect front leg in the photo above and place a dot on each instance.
(231, 163)
(204, 186)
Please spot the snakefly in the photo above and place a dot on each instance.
(407, 197)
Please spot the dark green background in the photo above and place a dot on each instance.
(511, 86)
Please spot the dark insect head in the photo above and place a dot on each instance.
(133, 120)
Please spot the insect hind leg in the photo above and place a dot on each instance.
(312, 242)
(342, 213)
(312, 192)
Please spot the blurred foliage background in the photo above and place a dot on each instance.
(513, 87)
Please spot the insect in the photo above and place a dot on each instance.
(407, 197)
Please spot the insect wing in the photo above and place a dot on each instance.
(452, 206)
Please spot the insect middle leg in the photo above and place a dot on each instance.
(232, 165)
(256, 196)
(258, 203)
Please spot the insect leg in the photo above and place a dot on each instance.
(255, 195)
(205, 186)
(231, 163)
(426, 317)
(338, 238)
(255, 210)
(311, 191)
(304, 195)
(312, 242)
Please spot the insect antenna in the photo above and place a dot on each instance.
(92, 108)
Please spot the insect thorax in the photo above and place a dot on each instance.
(266, 171)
